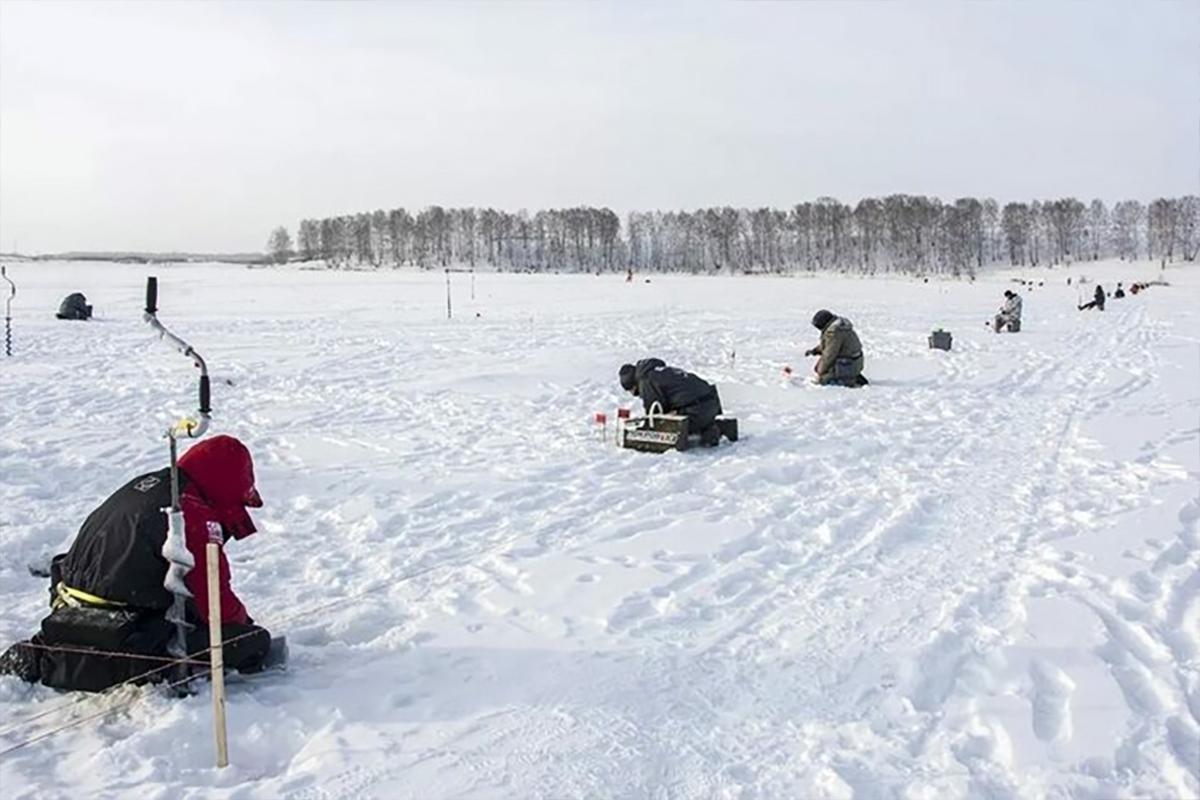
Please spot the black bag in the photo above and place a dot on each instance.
(105, 645)
(102, 628)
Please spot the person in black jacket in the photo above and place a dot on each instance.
(74, 306)
(1097, 300)
(676, 391)
(107, 594)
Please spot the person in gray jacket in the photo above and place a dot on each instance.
(676, 391)
(840, 351)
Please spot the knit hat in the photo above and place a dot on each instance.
(626, 374)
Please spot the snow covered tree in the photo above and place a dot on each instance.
(400, 225)
(1188, 226)
(1127, 219)
(1065, 224)
(279, 245)
(1096, 230)
(309, 239)
(870, 230)
(971, 212)
(991, 230)
(1162, 218)
(904, 233)
(1016, 222)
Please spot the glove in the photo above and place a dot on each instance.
(815, 351)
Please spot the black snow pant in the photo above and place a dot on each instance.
(1005, 321)
(246, 645)
(703, 413)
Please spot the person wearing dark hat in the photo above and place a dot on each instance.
(74, 306)
(107, 591)
(676, 391)
(1010, 313)
(840, 351)
(1097, 300)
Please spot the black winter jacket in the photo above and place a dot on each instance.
(74, 306)
(118, 553)
(673, 388)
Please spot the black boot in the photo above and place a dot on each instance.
(21, 661)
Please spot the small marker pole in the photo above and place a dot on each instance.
(216, 650)
(602, 420)
(622, 415)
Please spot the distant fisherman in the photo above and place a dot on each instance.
(676, 391)
(1010, 313)
(1097, 300)
(74, 306)
(840, 351)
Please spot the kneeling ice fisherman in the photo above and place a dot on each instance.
(107, 591)
(840, 351)
(1009, 316)
(677, 392)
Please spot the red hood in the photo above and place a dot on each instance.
(221, 470)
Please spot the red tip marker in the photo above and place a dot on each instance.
(601, 418)
(622, 413)
(787, 370)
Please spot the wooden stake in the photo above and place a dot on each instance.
(622, 418)
(217, 651)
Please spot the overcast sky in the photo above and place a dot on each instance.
(201, 126)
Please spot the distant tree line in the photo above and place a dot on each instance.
(899, 233)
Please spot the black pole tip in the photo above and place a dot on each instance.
(151, 295)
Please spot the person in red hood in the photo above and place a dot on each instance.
(218, 487)
(107, 591)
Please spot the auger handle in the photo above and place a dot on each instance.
(188, 427)
(151, 296)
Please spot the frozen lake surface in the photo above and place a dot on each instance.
(978, 577)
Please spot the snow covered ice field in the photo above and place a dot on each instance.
(976, 578)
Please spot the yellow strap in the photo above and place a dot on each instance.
(76, 597)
